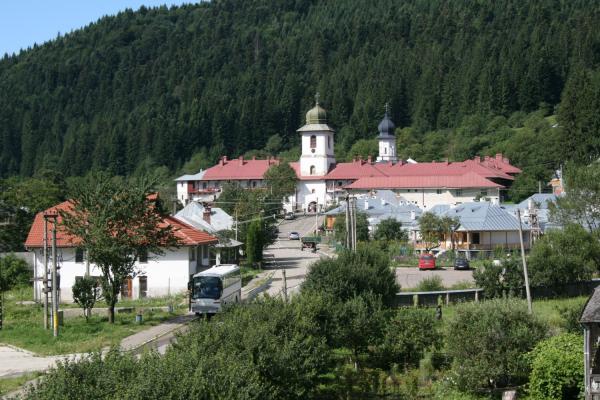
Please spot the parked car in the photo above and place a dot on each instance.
(294, 236)
(289, 216)
(461, 263)
(426, 261)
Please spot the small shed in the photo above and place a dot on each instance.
(590, 319)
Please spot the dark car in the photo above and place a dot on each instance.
(461, 264)
(426, 261)
(289, 216)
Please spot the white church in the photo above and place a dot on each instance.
(323, 182)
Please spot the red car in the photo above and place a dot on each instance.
(426, 261)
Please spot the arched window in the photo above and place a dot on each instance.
(312, 191)
(312, 169)
(313, 141)
(385, 150)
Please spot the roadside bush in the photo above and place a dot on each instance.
(487, 342)
(353, 274)
(407, 336)
(562, 256)
(557, 368)
(14, 272)
(432, 283)
(505, 279)
(570, 314)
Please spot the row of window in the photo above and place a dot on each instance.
(142, 256)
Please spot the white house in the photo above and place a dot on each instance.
(154, 275)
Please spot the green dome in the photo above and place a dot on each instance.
(316, 115)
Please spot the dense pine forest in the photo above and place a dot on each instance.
(155, 87)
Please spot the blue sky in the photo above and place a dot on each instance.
(25, 22)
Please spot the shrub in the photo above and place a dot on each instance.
(487, 342)
(407, 336)
(432, 283)
(557, 368)
(14, 272)
(570, 314)
(353, 274)
(390, 229)
(562, 256)
(86, 292)
(499, 280)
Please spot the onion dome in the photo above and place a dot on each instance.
(386, 127)
(316, 115)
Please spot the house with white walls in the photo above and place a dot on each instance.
(155, 275)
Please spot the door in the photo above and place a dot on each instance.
(143, 286)
(126, 289)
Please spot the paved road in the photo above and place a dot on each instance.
(410, 277)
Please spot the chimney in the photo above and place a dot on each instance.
(366, 204)
(369, 159)
(498, 156)
(477, 159)
(253, 158)
(241, 160)
(383, 202)
(413, 215)
(206, 214)
(487, 158)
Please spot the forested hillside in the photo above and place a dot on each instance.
(156, 86)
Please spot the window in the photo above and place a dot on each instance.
(438, 191)
(339, 183)
(328, 142)
(313, 142)
(143, 256)
(459, 192)
(203, 185)
(253, 184)
(78, 255)
(312, 169)
(143, 286)
(192, 253)
(385, 150)
(312, 190)
(475, 238)
(484, 193)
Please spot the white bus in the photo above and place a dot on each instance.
(219, 285)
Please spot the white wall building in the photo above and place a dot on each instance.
(153, 276)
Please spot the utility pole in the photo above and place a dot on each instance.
(54, 281)
(347, 222)
(539, 186)
(529, 308)
(354, 225)
(316, 221)
(285, 293)
(45, 278)
(236, 224)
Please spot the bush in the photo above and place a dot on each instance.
(390, 229)
(505, 279)
(86, 292)
(557, 368)
(432, 283)
(353, 274)
(487, 342)
(570, 314)
(407, 336)
(563, 256)
(14, 272)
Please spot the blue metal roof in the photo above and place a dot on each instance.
(484, 216)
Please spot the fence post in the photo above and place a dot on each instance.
(476, 295)
(447, 298)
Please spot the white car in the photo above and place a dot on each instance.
(294, 236)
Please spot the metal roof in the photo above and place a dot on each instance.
(484, 216)
(194, 177)
(193, 214)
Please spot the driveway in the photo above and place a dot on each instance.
(410, 277)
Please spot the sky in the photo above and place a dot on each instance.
(25, 22)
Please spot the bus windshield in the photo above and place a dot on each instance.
(207, 287)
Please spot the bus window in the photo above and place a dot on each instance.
(207, 287)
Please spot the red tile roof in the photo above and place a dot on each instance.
(355, 170)
(238, 169)
(447, 168)
(468, 180)
(188, 235)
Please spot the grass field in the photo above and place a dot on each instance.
(8, 385)
(23, 327)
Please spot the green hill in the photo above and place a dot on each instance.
(155, 86)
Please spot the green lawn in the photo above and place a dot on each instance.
(8, 385)
(23, 327)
